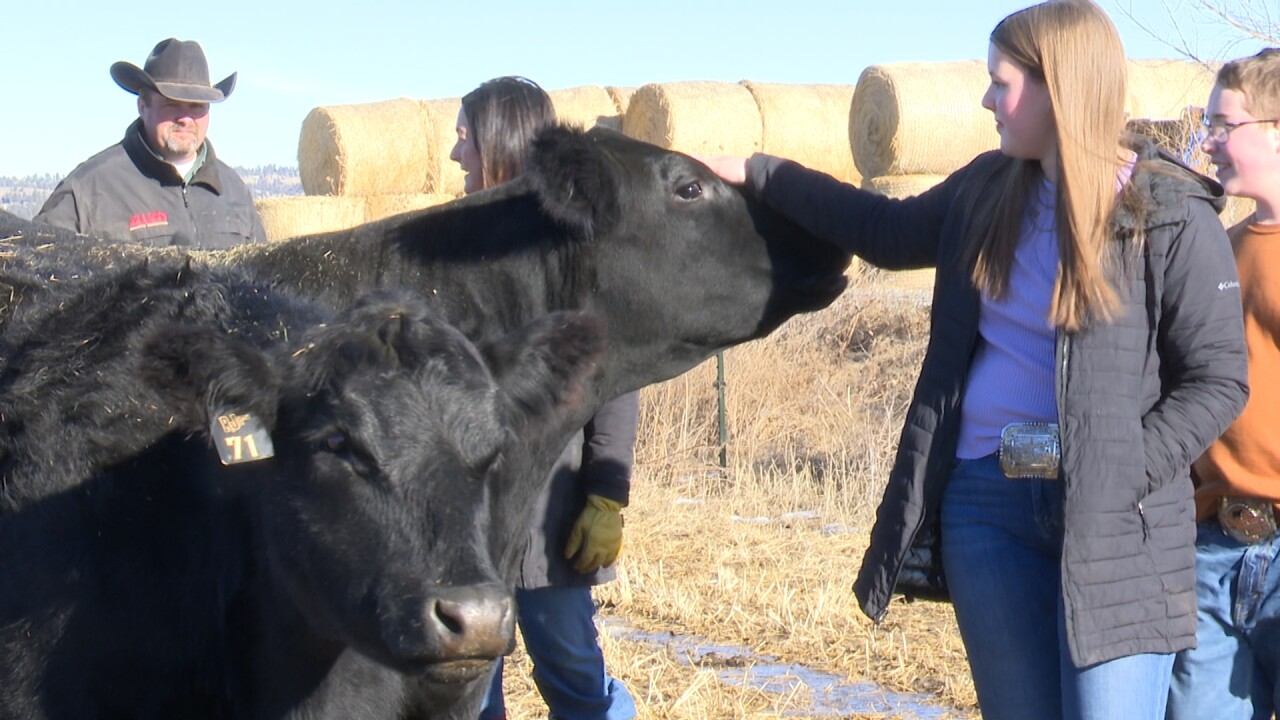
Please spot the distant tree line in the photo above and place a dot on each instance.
(24, 196)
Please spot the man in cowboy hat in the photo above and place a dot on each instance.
(162, 184)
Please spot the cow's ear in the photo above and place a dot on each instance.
(544, 367)
(573, 180)
(197, 370)
(385, 329)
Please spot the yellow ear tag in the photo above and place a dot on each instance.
(240, 438)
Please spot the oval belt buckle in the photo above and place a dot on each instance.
(1247, 520)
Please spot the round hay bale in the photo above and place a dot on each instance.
(377, 207)
(586, 106)
(920, 118)
(296, 215)
(1162, 89)
(347, 149)
(621, 97)
(808, 124)
(901, 186)
(443, 175)
(702, 118)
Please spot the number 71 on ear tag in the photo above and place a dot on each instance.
(240, 438)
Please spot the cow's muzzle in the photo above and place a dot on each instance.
(474, 622)
(449, 634)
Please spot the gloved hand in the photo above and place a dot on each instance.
(596, 537)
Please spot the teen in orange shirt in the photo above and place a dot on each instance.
(1234, 672)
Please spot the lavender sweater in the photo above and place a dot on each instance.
(1011, 377)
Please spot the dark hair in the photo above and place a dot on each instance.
(504, 114)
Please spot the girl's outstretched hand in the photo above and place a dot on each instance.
(730, 168)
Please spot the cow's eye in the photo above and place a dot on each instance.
(337, 442)
(348, 450)
(689, 191)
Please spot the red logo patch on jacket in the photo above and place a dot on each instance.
(142, 221)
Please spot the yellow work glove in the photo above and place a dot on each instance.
(596, 538)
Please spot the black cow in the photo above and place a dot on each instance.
(142, 578)
(679, 263)
(676, 262)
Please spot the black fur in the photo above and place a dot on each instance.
(573, 181)
(676, 263)
(141, 578)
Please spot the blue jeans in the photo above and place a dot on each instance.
(568, 667)
(1234, 671)
(1001, 551)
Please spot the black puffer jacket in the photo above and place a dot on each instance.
(597, 461)
(127, 194)
(1138, 399)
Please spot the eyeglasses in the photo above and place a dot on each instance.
(1218, 131)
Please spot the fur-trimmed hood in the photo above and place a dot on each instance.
(1164, 182)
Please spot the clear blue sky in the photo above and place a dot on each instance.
(61, 105)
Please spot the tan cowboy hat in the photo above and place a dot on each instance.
(177, 70)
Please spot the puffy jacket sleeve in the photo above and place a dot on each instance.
(60, 209)
(608, 450)
(896, 234)
(258, 233)
(239, 201)
(1203, 357)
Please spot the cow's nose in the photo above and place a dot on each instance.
(476, 621)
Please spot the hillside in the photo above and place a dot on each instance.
(23, 196)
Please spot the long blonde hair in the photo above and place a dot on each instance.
(1071, 47)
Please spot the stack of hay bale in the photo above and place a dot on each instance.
(900, 130)
(806, 123)
(358, 163)
(364, 162)
(912, 124)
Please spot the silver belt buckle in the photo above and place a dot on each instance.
(1030, 450)
(1248, 520)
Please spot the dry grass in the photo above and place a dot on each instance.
(762, 553)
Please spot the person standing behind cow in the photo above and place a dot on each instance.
(1086, 345)
(162, 184)
(575, 533)
(1234, 671)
